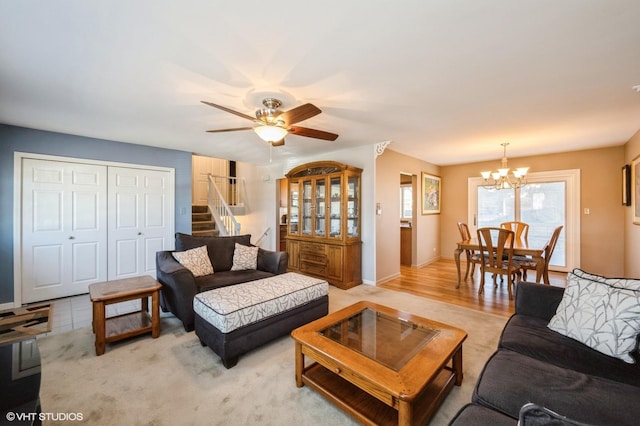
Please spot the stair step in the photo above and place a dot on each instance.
(203, 225)
(201, 222)
(200, 217)
(199, 209)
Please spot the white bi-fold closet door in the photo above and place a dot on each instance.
(139, 212)
(64, 233)
(87, 223)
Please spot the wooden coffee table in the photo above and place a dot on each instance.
(380, 365)
(127, 325)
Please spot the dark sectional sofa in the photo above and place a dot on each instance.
(179, 286)
(534, 364)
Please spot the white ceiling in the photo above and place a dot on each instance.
(445, 81)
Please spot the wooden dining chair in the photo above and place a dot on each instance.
(496, 253)
(548, 252)
(473, 257)
(521, 229)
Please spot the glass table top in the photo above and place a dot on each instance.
(383, 338)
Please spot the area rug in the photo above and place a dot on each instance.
(173, 380)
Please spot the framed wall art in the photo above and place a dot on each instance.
(635, 189)
(431, 193)
(626, 185)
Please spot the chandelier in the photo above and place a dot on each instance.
(500, 179)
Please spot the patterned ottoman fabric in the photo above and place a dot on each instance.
(232, 307)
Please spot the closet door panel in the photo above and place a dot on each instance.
(64, 231)
(152, 245)
(139, 224)
(86, 255)
(49, 273)
(156, 213)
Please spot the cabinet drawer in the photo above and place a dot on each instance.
(320, 259)
(312, 248)
(313, 268)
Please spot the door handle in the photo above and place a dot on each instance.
(139, 233)
(72, 237)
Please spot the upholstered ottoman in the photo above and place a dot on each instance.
(236, 319)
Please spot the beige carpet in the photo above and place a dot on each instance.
(173, 380)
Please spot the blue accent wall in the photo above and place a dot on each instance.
(19, 139)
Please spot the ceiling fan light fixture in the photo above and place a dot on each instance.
(270, 133)
(272, 125)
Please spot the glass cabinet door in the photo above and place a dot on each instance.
(335, 215)
(293, 208)
(353, 215)
(307, 207)
(320, 207)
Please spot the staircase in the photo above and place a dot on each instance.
(225, 201)
(202, 223)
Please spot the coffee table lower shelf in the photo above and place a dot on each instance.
(369, 410)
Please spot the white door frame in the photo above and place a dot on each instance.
(17, 205)
(572, 229)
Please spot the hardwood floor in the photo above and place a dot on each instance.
(438, 281)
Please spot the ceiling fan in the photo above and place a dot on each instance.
(272, 125)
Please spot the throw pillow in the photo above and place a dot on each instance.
(603, 317)
(244, 257)
(629, 283)
(196, 260)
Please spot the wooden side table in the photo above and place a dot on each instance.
(120, 327)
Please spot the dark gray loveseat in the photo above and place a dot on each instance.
(179, 286)
(534, 364)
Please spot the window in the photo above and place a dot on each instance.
(548, 200)
(406, 201)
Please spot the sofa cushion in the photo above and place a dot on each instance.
(220, 248)
(530, 336)
(244, 257)
(196, 260)
(510, 380)
(604, 317)
(225, 278)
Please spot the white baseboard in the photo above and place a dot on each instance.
(389, 278)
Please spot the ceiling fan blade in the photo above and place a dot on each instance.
(298, 114)
(278, 143)
(229, 130)
(239, 114)
(312, 133)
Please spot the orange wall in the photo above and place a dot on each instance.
(602, 232)
(426, 228)
(632, 231)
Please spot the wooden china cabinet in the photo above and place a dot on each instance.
(323, 236)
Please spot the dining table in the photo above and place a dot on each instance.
(521, 247)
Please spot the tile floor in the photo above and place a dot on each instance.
(71, 313)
